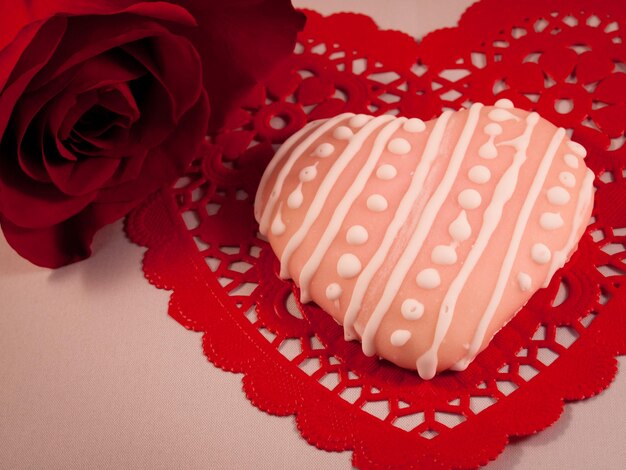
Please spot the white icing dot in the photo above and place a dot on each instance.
(386, 172)
(278, 226)
(460, 229)
(414, 125)
(359, 120)
(524, 281)
(550, 220)
(428, 278)
(324, 150)
(357, 235)
(501, 115)
(571, 160)
(444, 255)
(504, 103)
(488, 150)
(426, 364)
(479, 174)
(493, 129)
(400, 337)
(348, 266)
(376, 203)
(469, 199)
(342, 133)
(558, 196)
(399, 146)
(567, 179)
(463, 363)
(308, 174)
(577, 148)
(412, 309)
(296, 198)
(540, 253)
(333, 291)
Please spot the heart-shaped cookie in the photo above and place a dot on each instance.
(424, 239)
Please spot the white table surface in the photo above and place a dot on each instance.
(94, 374)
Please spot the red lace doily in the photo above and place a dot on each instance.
(565, 59)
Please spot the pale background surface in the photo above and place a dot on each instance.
(94, 374)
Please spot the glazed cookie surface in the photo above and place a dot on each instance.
(424, 239)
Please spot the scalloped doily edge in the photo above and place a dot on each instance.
(160, 211)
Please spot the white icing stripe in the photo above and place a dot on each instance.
(585, 196)
(278, 226)
(285, 170)
(427, 363)
(282, 151)
(427, 218)
(325, 189)
(400, 217)
(520, 227)
(341, 211)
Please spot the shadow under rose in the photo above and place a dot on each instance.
(113, 261)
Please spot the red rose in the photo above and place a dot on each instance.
(104, 101)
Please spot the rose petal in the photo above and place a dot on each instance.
(68, 114)
(168, 161)
(27, 129)
(66, 242)
(82, 177)
(68, 153)
(109, 143)
(48, 247)
(66, 87)
(119, 99)
(12, 52)
(37, 11)
(24, 13)
(163, 11)
(174, 62)
(38, 53)
(129, 169)
(243, 40)
(32, 204)
(156, 120)
(116, 97)
(90, 37)
(29, 154)
(88, 76)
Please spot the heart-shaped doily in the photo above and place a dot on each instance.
(564, 59)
